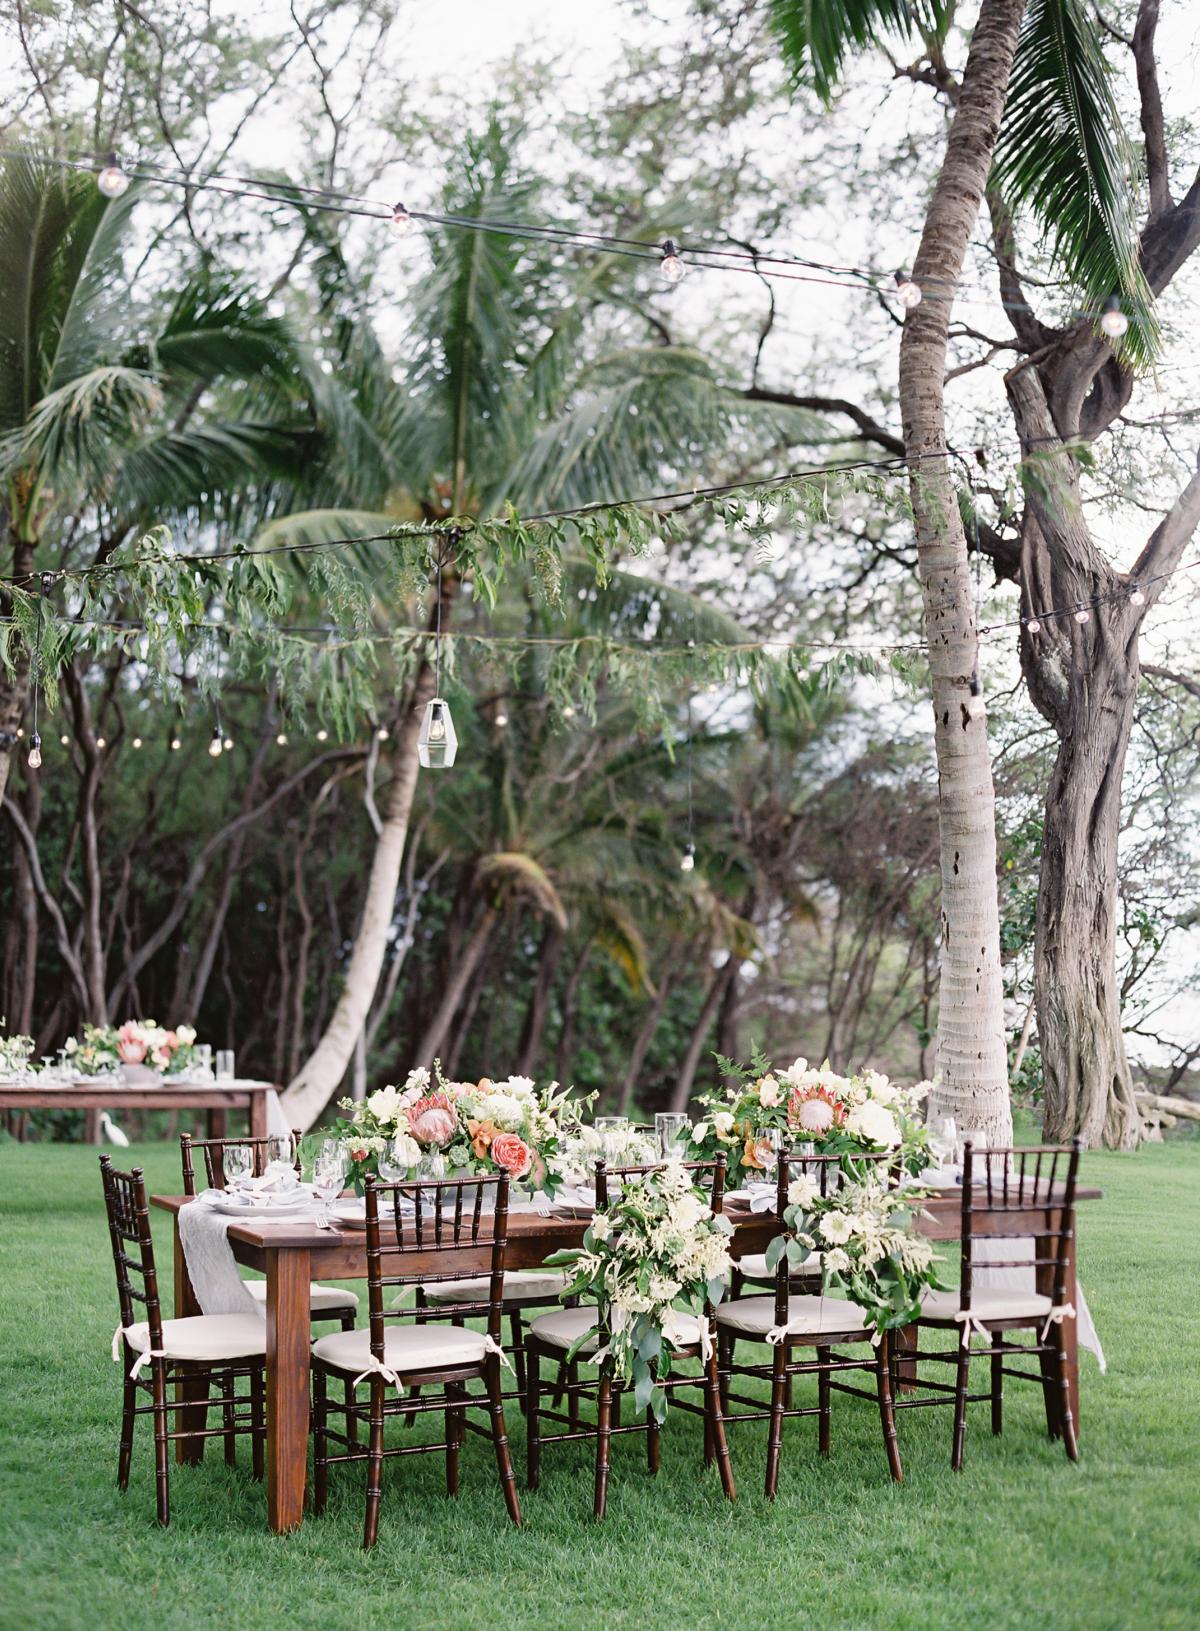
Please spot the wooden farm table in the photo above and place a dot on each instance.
(217, 1098)
(292, 1254)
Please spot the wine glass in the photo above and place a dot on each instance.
(391, 1162)
(943, 1141)
(237, 1160)
(669, 1130)
(281, 1150)
(329, 1179)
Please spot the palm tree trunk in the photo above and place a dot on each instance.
(14, 688)
(649, 1026)
(682, 1091)
(568, 1010)
(971, 1060)
(319, 1078)
(456, 987)
(530, 1045)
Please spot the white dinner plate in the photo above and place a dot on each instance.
(278, 1206)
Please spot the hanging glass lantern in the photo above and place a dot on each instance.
(437, 743)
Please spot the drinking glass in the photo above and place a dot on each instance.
(225, 1065)
(943, 1141)
(202, 1065)
(281, 1147)
(392, 1168)
(329, 1179)
(669, 1131)
(237, 1161)
(612, 1130)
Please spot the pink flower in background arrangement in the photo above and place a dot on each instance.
(431, 1120)
(511, 1154)
(131, 1044)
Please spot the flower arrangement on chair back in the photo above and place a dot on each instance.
(864, 1114)
(864, 1230)
(655, 1248)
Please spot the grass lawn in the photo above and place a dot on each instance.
(1021, 1538)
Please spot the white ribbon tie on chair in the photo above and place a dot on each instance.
(142, 1359)
(378, 1368)
(1065, 1311)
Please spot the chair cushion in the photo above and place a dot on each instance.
(206, 1337)
(807, 1316)
(942, 1306)
(321, 1299)
(560, 1329)
(406, 1347)
(754, 1266)
(520, 1286)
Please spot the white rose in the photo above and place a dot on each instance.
(835, 1228)
(796, 1072)
(185, 1035)
(722, 1123)
(768, 1092)
(406, 1151)
(384, 1104)
(874, 1123)
(70, 1046)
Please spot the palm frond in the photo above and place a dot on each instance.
(1063, 153)
(517, 871)
(622, 942)
(816, 36)
(73, 430)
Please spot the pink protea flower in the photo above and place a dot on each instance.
(131, 1044)
(431, 1120)
(815, 1110)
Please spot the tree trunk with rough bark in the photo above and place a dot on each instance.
(456, 988)
(14, 688)
(318, 1079)
(530, 1046)
(649, 1025)
(682, 1091)
(972, 1067)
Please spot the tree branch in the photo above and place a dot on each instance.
(1157, 171)
(872, 430)
(53, 910)
(1169, 539)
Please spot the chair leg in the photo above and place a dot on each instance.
(258, 1420)
(887, 1412)
(517, 1350)
(320, 1441)
(824, 1395)
(962, 1373)
(1065, 1417)
(455, 1433)
(161, 1443)
(1046, 1364)
(725, 1351)
(560, 1385)
(573, 1393)
(997, 1384)
(374, 1465)
(227, 1419)
(347, 1319)
(533, 1425)
(775, 1432)
(603, 1439)
(508, 1480)
(715, 1422)
(653, 1442)
(129, 1402)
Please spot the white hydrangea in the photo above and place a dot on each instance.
(803, 1192)
(875, 1123)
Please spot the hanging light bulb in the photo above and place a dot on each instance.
(322, 735)
(687, 861)
(1081, 613)
(437, 741)
(382, 733)
(137, 742)
(402, 221)
(907, 292)
(101, 743)
(1032, 626)
(228, 744)
(35, 752)
(1114, 323)
(568, 711)
(672, 266)
(501, 719)
(217, 745)
(176, 744)
(1137, 595)
(281, 739)
(112, 180)
(65, 740)
(20, 733)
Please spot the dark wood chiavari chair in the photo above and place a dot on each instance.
(551, 1336)
(823, 1323)
(325, 1302)
(1004, 1191)
(223, 1348)
(400, 1350)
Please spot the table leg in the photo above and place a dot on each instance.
(287, 1387)
(1070, 1329)
(256, 1114)
(217, 1121)
(190, 1387)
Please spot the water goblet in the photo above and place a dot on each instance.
(329, 1179)
(225, 1065)
(670, 1129)
(237, 1162)
(281, 1150)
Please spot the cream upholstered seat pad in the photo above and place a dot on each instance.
(807, 1316)
(520, 1285)
(206, 1336)
(406, 1347)
(754, 1266)
(986, 1305)
(320, 1298)
(561, 1329)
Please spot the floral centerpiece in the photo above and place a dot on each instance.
(105, 1048)
(865, 1234)
(655, 1249)
(431, 1126)
(866, 1114)
(15, 1054)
